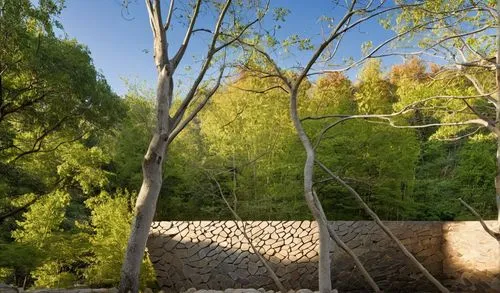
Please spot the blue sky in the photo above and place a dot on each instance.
(118, 43)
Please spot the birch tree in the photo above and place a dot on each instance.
(228, 27)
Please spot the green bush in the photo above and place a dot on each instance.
(110, 226)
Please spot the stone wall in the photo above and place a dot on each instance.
(216, 255)
(471, 256)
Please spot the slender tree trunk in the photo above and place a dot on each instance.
(345, 248)
(497, 120)
(145, 205)
(143, 215)
(324, 275)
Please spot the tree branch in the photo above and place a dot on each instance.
(198, 108)
(261, 91)
(493, 234)
(389, 233)
(208, 60)
(346, 249)
(22, 208)
(169, 15)
(270, 271)
(182, 49)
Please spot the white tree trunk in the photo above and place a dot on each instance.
(324, 268)
(144, 212)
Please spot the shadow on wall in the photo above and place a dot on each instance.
(216, 255)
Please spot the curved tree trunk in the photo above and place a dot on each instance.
(324, 269)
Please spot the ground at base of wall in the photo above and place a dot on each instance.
(260, 290)
(11, 289)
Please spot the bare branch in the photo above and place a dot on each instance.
(371, 54)
(391, 123)
(278, 72)
(208, 60)
(169, 15)
(493, 234)
(202, 30)
(149, 8)
(389, 233)
(270, 271)
(189, 32)
(210, 54)
(461, 136)
(410, 107)
(344, 247)
(480, 88)
(237, 37)
(260, 91)
(198, 108)
(160, 39)
(404, 110)
(432, 46)
(335, 33)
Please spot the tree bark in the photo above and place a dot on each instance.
(324, 275)
(145, 208)
(145, 205)
(497, 120)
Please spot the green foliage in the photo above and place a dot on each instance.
(427, 30)
(42, 220)
(374, 94)
(17, 260)
(57, 252)
(363, 153)
(51, 275)
(84, 166)
(110, 227)
(54, 257)
(54, 110)
(53, 104)
(476, 164)
(244, 141)
(129, 142)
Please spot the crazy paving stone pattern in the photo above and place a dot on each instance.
(216, 255)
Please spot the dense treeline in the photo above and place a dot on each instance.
(404, 174)
(71, 151)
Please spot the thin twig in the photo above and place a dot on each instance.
(271, 272)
